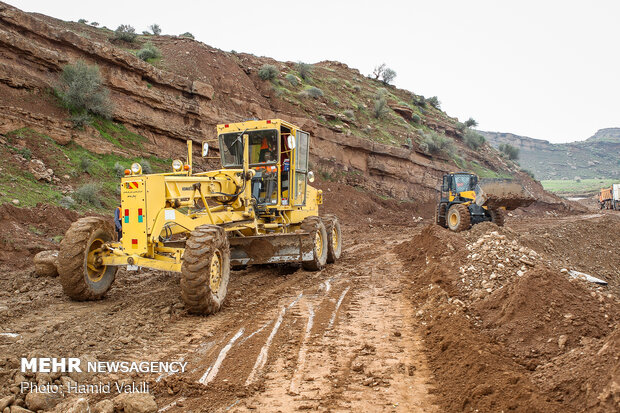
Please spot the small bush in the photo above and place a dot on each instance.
(268, 72)
(419, 101)
(434, 143)
(471, 123)
(66, 202)
(86, 165)
(148, 52)
(292, 79)
(314, 92)
(125, 32)
(187, 35)
(473, 140)
(146, 33)
(434, 102)
(82, 21)
(357, 88)
(155, 29)
(82, 92)
(349, 114)
(336, 102)
(94, 24)
(88, 194)
(119, 170)
(530, 173)
(146, 166)
(388, 76)
(305, 70)
(510, 151)
(381, 108)
(415, 118)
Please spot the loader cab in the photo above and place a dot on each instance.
(278, 152)
(460, 184)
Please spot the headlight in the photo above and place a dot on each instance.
(177, 165)
(136, 168)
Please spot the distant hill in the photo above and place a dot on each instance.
(596, 157)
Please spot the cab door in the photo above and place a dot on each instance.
(301, 167)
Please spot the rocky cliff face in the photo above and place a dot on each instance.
(596, 157)
(195, 87)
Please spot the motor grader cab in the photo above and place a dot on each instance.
(464, 201)
(257, 209)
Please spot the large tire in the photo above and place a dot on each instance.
(334, 238)
(205, 270)
(315, 227)
(498, 216)
(440, 215)
(79, 280)
(458, 218)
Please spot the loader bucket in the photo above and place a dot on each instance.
(506, 194)
(269, 249)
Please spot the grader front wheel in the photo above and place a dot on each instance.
(334, 238)
(80, 272)
(316, 228)
(459, 218)
(205, 270)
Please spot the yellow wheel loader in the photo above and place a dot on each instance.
(463, 201)
(257, 209)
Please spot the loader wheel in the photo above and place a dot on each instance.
(334, 238)
(498, 216)
(80, 275)
(317, 231)
(205, 270)
(440, 215)
(458, 218)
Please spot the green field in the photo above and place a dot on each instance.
(572, 187)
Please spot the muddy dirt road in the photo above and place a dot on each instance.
(387, 328)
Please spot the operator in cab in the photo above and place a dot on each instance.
(265, 180)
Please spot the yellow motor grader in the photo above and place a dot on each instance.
(257, 209)
(464, 201)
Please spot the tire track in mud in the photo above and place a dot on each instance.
(341, 342)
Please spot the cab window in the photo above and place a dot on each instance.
(262, 145)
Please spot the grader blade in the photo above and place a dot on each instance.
(509, 195)
(271, 249)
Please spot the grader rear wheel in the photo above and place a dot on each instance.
(334, 238)
(81, 275)
(459, 218)
(317, 231)
(205, 270)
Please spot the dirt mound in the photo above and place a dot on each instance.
(543, 314)
(27, 231)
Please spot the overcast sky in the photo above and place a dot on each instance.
(544, 69)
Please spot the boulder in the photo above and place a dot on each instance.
(104, 406)
(6, 402)
(45, 263)
(40, 172)
(79, 406)
(404, 111)
(42, 401)
(135, 403)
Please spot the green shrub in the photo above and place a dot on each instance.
(357, 88)
(419, 101)
(292, 79)
(187, 35)
(125, 32)
(434, 102)
(82, 21)
(146, 33)
(473, 140)
(471, 123)
(530, 173)
(314, 92)
(81, 91)
(119, 170)
(381, 108)
(349, 114)
(268, 72)
(434, 143)
(88, 194)
(155, 29)
(94, 24)
(416, 118)
(86, 165)
(304, 70)
(146, 166)
(66, 202)
(510, 151)
(336, 102)
(148, 51)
